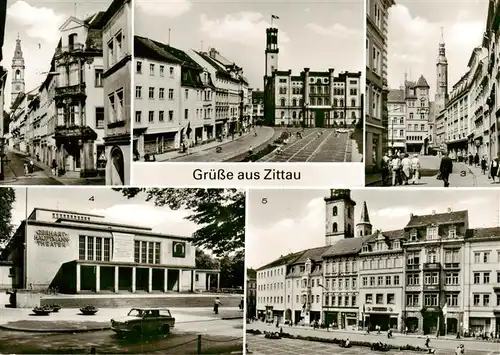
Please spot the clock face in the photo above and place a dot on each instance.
(18, 87)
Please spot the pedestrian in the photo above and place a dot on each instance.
(471, 159)
(445, 169)
(26, 171)
(406, 330)
(217, 304)
(406, 168)
(484, 164)
(476, 159)
(415, 168)
(494, 169)
(427, 342)
(395, 167)
(31, 167)
(385, 168)
(54, 167)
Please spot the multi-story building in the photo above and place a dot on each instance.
(440, 121)
(376, 117)
(417, 119)
(311, 99)
(174, 96)
(381, 280)
(258, 106)
(492, 43)
(457, 118)
(231, 101)
(478, 115)
(251, 293)
(79, 97)
(271, 288)
(396, 107)
(482, 281)
(117, 38)
(434, 273)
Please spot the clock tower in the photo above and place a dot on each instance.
(339, 222)
(18, 86)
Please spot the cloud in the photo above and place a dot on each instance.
(336, 30)
(149, 216)
(166, 8)
(39, 22)
(245, 27)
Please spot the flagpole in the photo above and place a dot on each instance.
(272, 21)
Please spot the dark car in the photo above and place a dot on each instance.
(144, 321)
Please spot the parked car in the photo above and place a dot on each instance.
(144, 321)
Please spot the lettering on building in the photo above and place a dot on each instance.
(51, 239)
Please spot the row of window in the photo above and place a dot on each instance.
(485, 279)
(379, 298)
(152, 69)
(70, 216)
(205, 95)
(271, 273)
(318, 90)
(94, 248)
(316, 102)
(147, 252)
(382, 263)
(389, 281)
(200, 114)
(381, 246)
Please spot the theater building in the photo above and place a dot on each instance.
(84, 253)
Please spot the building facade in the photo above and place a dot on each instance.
(396, 107)
(251, 292)
(79, 252)
(311, 99)
(417, 120)
(258, 106)
(457, 118)
(117, 40)
(376, 117)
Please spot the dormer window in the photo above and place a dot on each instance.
(396, 244)
(365, 248)
(413, 236)
(452, 233)
(432, 233)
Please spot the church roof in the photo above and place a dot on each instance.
(365, 218)
(422, 83)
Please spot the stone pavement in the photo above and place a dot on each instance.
(230, 148)
(71, 319)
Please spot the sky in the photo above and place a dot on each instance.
(415, 32)
(37, 22)
(283, 221)
(318, 34)
(108, 203)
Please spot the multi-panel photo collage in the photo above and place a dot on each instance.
(278, 177)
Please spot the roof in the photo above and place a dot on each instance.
(391, 235)
(396, 95)
(438, 218)
(282, 260)
(148, 48)
(251, 274)
(112, 10)
(94, 21)
(346, 246)
(65, 211)
(120, 225)
(482, 234)
(313, 254)
(365, 217)
(422, 83)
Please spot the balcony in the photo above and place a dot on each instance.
(432, 266)
(432, 288)
(70, 94)
(67, 132)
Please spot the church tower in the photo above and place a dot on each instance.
(272, 50)
(441, 77)
(339, 216)
(364, 227)
(18, 86)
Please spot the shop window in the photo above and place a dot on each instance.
(179, 249)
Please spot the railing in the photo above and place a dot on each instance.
(73, 90)
(433, 287)
(413, 267)
(451, 265)
(432, 266)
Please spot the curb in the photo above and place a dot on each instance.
(30, 330)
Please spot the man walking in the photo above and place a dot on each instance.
(445, 169)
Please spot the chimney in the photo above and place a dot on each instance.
(411, 215)
(449, 209)
(433, 212)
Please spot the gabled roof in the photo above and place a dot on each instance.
(438, 218)
(314, 254)
(422, 83)
(344, 247)
(391, 235)
(94, 21)
(396, 95)
(148, 48)
(282, 260)
(482, 234)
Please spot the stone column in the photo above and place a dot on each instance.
(165, 280)
(97, 278)
(133, 279)
(179, 282)
(192, 280)
(150, 279)
(331, 87)
(208, 282)
(78, 277)
(218, 282)
(116, 280)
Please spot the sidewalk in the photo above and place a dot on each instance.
(47, 170)
(69, 320)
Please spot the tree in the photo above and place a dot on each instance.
(205, 261)
(232, 271)
(7, 199)
(220, 213)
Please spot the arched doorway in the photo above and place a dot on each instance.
(288, 315)
(117, 167)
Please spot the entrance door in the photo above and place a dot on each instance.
(319, 119)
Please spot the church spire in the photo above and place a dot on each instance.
(365, 218)
(364, 227)
(18, 84)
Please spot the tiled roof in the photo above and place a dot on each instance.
(394, 234)
(94, 21)
(313, 254)
(481, 234)
(347, 246)
(438, 218)
(146, 48)
(365, 217)
(396, 95)
(422, 82)
(283, 260)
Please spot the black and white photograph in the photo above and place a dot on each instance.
(372, 271)
(65, 79)
(121, 271)
(239, 81)
(433, 121)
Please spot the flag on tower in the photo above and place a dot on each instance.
(275, 17)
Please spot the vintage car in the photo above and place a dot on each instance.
(144, 321)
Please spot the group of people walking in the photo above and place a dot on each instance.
(401, 168)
